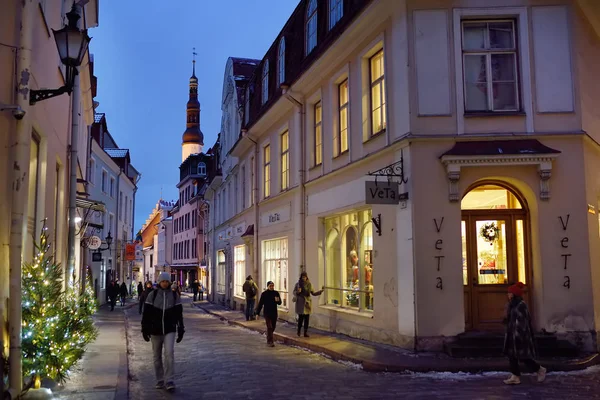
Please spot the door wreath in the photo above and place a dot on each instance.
(489, 232)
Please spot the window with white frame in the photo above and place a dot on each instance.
(103, 274)
(343, 111)
(336, 11)
(265, 82)
(285, 160)
(126, 209)
(275, 266)
(104, 181)
(377, 75)
(267, 170)
(111, 223)
(243, 188)
(252, 166)
(202, 169)
(221, 272)
(240, 269)
(281, 61)
(92, 171)
(490, 66)
(318, 134)
(349, 260)
(120, 206)
(112, 187)
(311, 26)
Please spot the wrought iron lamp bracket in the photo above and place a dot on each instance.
(395, 170)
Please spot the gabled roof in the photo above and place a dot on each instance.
(243, 68)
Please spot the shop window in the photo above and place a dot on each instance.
(221, 272)
(240, 269)
(275, 266)
(349, 260)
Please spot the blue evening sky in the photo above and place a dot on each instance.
(143, 61)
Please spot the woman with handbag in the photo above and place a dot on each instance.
(302, 292)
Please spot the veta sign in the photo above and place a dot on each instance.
(382, 193)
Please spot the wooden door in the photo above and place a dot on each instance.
(494, 257)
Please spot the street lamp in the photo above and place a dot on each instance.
(108, 240)
(72, 43)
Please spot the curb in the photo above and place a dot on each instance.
(437, 365)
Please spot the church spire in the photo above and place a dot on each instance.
(193, 139)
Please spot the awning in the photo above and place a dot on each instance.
(90, 204)
(499, 153)
(499, 147)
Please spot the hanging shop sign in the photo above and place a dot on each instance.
(94, 243)
(383, 193)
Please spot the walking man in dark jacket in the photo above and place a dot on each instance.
(162, 317)
(149, 289)
(251, 290)
(113, 293)
(270, 299)
(195, 289)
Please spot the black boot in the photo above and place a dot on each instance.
(305, 333)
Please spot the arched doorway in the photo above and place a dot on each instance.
(495, 252)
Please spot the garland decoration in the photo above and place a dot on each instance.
(489, 232)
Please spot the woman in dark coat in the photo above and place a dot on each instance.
(124, 293)
(519, 340)
(149, 288)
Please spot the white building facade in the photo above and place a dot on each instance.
(384, 141)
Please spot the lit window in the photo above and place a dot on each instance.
(318, 134)
(240, 269)
(311, 26)
(490, 66)
(281, 62)
(285, 160)
(349, 260)
(267, 171)
(343, 116)
(221, 272)
(275, 266)
(265, 82)
(336, 11)
(378, 118)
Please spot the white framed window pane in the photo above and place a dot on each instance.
(474, 35)
(501, 35)
(343, 92)
(503, 67)
(383, 117)
(475, 70)
(377, 66)
(505, 95)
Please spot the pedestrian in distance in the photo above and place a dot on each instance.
(302, 292)
(175, 287)
(270, 299)
(144, 296)
(162, 318)
(519, 343)
(123, 293)
(140, 290)
(113, 293)
(195, 289)
(250, 289)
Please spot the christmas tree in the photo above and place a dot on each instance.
(57, 323)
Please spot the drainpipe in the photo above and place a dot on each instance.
(302, 173)
(20, 148)
(116, 233)
(75, 116)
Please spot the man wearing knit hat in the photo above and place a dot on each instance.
(270, 299)
(518, 342)
(162, 317)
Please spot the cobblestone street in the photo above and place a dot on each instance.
(216, 360)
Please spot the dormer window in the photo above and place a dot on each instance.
(281, 62)
(265, 82)
(202, 169)
(336, 12)
(311, 26)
